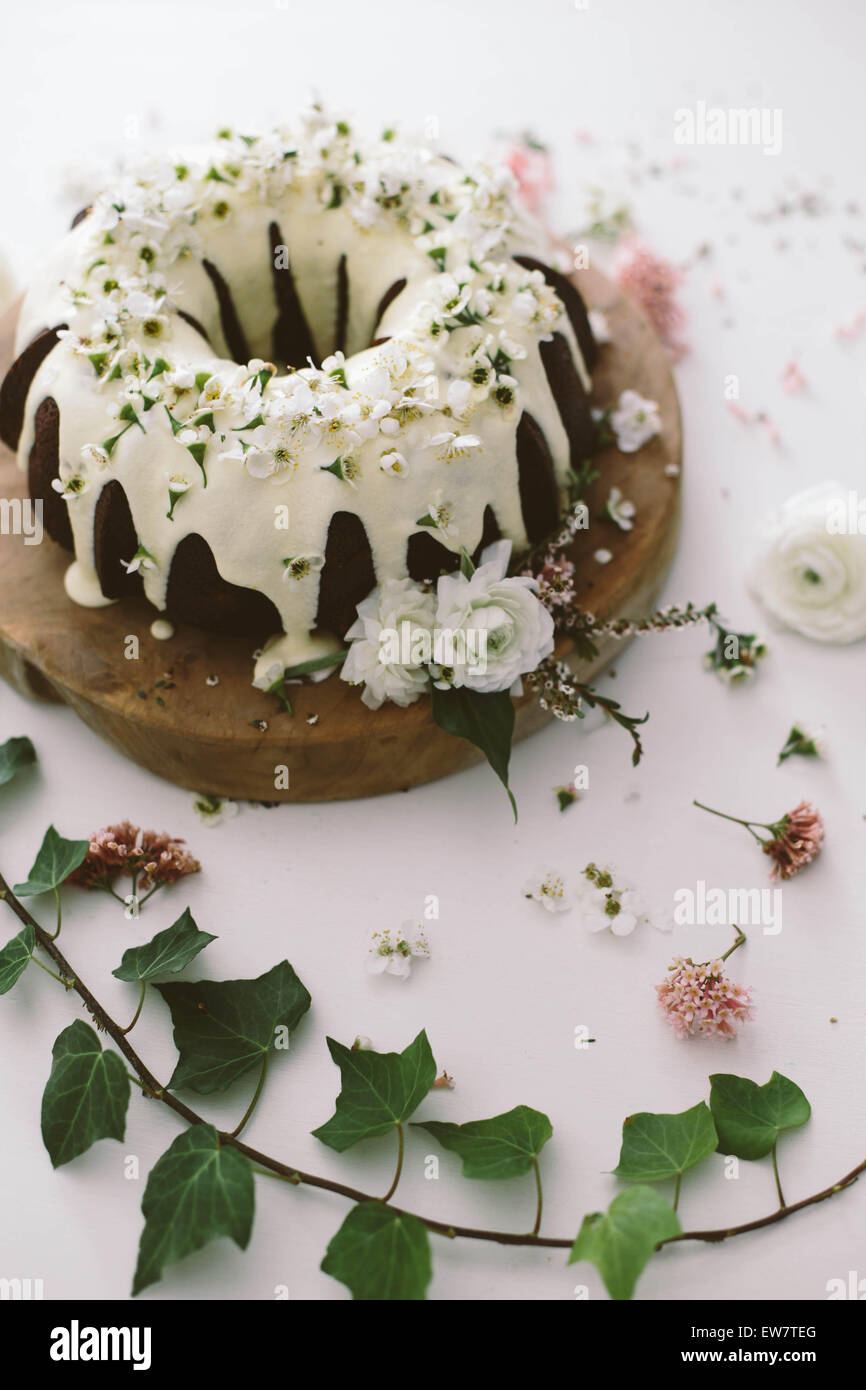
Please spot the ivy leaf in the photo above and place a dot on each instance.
(502, 1147)
(620, 1241)
(167, 953)
(86, 1095)
(197, 1190)
(487, 721)
(56, 860)
(749, 1118)
(15, 957)
(15, 753)
(224, 1027)
(381, 1254)
(379, 1090)
(655, 1147)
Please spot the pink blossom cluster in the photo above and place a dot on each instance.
(155, 859)
(701, 1001)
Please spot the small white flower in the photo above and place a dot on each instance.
(299, 566)
(602, 557)
(69, 483)
(211, 810)
(458, 396)
(392, 953)
(600, 326)
(451, 446)
(132, 908)
(94, 456)
(394, 463)
(620, 510)
(634, 421)
(549, 889)
(440, 515)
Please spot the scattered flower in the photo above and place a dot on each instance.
(566, 796)
(805, 742)
(794, 840)
(605, 906)
(548, 888)
(735, 654)
(393, 953)
(443, 1082)
(211, 810)
(152, 860)
(700, 1001)
(602, 556)
(654, 282)
(620, 510)
(792, 378)
(634, 421)
(600, 327)
(811, 575)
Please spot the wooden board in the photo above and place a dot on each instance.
(202, 736)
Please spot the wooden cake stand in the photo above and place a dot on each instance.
(203, 736)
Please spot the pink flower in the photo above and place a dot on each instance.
(797, 840)
(531, 165)
(124, 848)
(700, 1001)
(653, 282)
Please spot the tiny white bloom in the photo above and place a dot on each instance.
(620, 510)
(602, 557)
(392, 953)
(549, 889)
(600, 326)
(394, 463)
(634, 421)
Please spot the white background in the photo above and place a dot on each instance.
(506, 985)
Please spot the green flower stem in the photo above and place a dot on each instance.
(255, 1100)
(294, 1176)
(737, 821)
(540, 1196)
(400, 1146)
(776, 1176)
(137, 1015)
(149, 894)
(739, 940)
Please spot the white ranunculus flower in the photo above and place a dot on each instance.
(811, 575)
(397, 602)
(500, 620)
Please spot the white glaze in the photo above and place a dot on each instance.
(241, 516)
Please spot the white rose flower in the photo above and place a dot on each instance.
(634, 421)
(506, 628)
(383, 613)
(811, 575)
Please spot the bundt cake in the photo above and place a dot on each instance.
(256, 379)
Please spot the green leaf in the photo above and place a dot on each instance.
(15, 753)
(655, 1147)
(85, 1097)
(15, 957)
(485, 720)
(749, 1118)
(620, 1241)
(222, 1028)
(167, 953)
(197, 1190)
(381, 1255)
(503, 1147)
(56, 860)
(315, 663)
(379, 1090)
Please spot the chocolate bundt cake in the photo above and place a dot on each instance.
(255, 380)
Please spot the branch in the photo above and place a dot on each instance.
(153, 1089)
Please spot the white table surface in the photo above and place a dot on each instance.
(506, 985)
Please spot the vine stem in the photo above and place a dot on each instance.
(739, 940)
(274, 1166)
(400, 1146)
